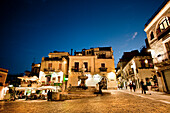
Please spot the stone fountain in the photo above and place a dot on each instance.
(83, 77)
(81, 91)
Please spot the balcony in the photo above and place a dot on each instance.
(88, 69)
(50, 84)
(146, 67)
(162, 60)
(162, 33)
(74, 69)
(131, 72)
(103, 69)
(49, 70)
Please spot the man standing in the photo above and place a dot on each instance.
(134, 86)
(148, 84)
(48, 95)
(142, 86)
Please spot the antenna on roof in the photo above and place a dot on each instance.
(34, 60)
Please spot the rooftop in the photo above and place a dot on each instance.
(158, 10)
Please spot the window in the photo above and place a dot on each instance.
(76, 66)
(151, 36)
(163, 24)
(86, 66)
(58, 78)
(103, 65)
(167, 45)
(49, 65)
(103, 55)
(60, 66)
(54, 78)
(150, 63)
(143, 63)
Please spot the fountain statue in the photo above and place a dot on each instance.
(83, 77)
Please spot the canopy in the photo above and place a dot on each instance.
(34, 78)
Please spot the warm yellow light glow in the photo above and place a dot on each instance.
(65, 62)
(146, 61)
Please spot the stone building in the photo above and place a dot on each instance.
(98, 63)
(3, 76)
(54, 68)
(134, 66)
(158, 34)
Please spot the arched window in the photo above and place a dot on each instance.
(151, 36)
(164, 24)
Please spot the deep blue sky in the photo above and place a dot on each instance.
(33, 28)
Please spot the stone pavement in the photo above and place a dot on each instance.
(119, 101)
(155, 95)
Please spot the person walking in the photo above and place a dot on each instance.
(148, 84)
(51, 95)
(142, 86)
(100, 87)
(130, 85)
(48, 95)
(134, 86)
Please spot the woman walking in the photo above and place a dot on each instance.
(148, 84)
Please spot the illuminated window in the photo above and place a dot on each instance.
(151, 35)
(163, 25)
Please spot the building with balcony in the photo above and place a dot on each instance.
(3, 76)
(54, 68)
(134, 66)
(158, 34)
(98, 63)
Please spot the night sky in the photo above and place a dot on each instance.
(33, 28)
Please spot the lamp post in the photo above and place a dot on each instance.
(63, 84)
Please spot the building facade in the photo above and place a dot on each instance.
(3, 76)
(139, 67)
(54, 68)
(134, 66)
(98, 64)
(158, 35)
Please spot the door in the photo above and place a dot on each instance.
(167, 79)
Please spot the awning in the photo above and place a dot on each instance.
(47, 75)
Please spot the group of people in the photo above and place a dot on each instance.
(144, 87)
(132, 85)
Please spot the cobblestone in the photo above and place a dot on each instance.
(117, 102)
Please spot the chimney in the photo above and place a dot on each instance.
(71, 52)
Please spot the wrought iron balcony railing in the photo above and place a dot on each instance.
(103, 69)
(161, 58)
